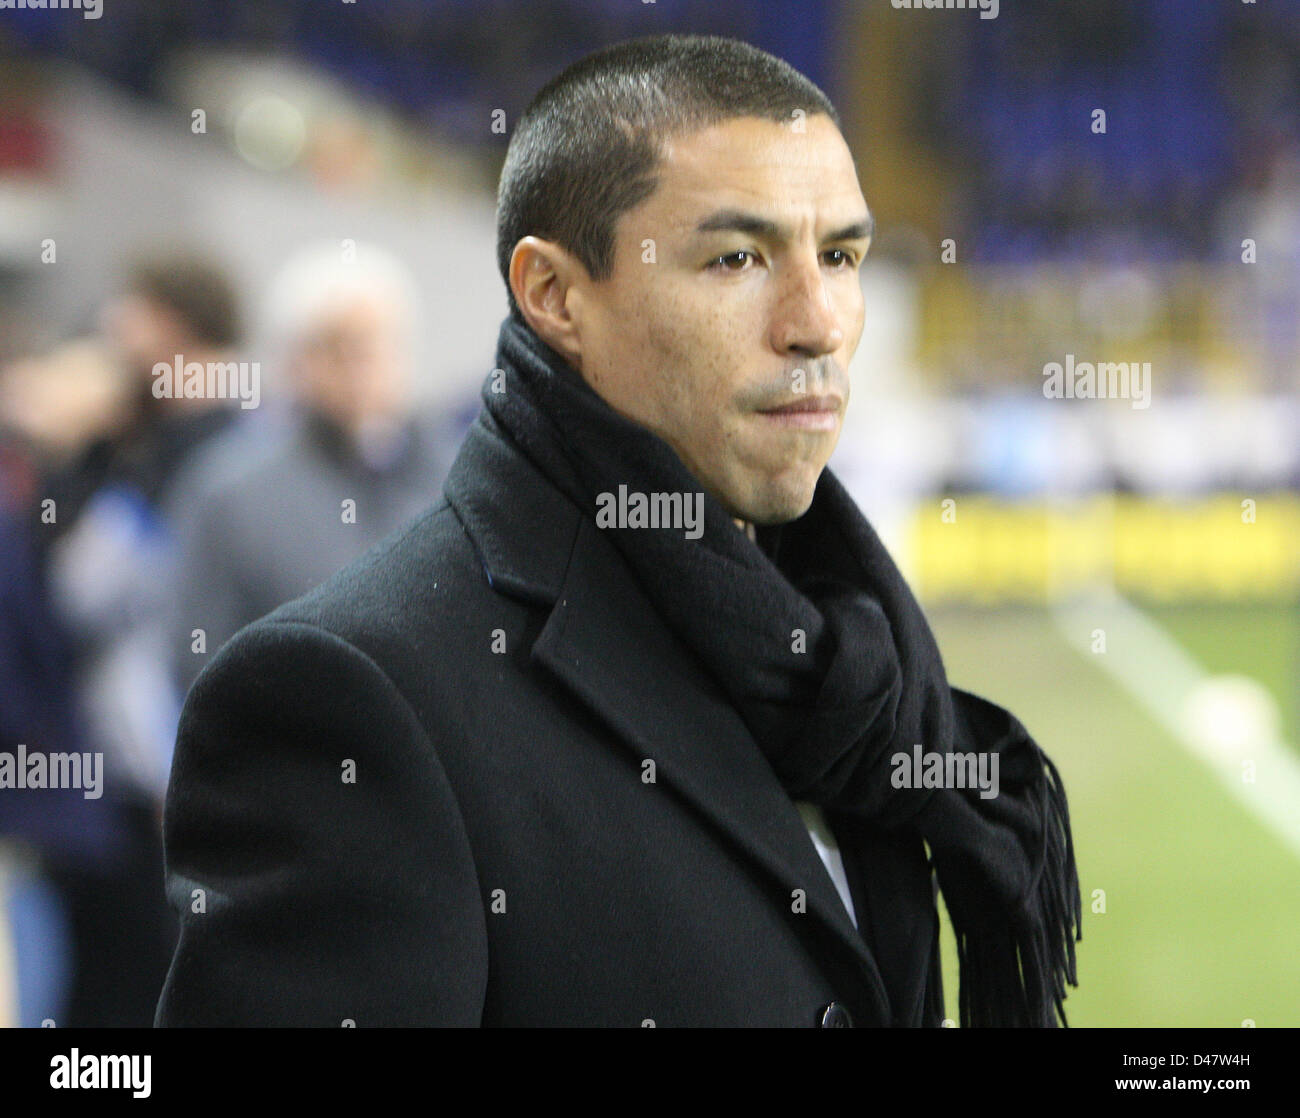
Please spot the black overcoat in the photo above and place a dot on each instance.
(473, 779)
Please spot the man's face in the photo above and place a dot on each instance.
(353, 365)
(144, 333)
(730, 336)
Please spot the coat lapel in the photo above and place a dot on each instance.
(605, 642)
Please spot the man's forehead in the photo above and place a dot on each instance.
(784, 172)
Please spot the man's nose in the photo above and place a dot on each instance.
(805, 323)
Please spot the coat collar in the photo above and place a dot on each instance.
(522, 526)
(536, 545)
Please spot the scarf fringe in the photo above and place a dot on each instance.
(1018, 980)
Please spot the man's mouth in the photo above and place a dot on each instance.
(810, 413)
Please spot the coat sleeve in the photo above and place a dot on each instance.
(314, 849)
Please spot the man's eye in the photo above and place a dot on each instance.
(732, 262)
(839, 258)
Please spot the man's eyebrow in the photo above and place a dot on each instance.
(862, 230)
(738, 221)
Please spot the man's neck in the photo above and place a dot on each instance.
(746, 527)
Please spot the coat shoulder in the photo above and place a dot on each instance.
(421, 584)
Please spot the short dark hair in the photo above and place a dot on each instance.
(587, 148)
(194, 288)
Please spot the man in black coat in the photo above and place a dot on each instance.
(621, 732)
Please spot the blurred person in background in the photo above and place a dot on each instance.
(109, 554)
(108, 448)
(43, 832)
(273, 509)
(49, 406)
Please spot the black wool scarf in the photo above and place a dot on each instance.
(816, 638)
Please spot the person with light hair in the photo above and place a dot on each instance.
(277, 507)
(339, 322)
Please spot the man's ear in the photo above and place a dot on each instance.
(542, 277)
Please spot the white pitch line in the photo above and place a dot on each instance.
(1153, 668)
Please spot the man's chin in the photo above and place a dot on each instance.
(778, 505)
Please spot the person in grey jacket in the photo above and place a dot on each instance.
(280, 504)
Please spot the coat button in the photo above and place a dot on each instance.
(835, 1016)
